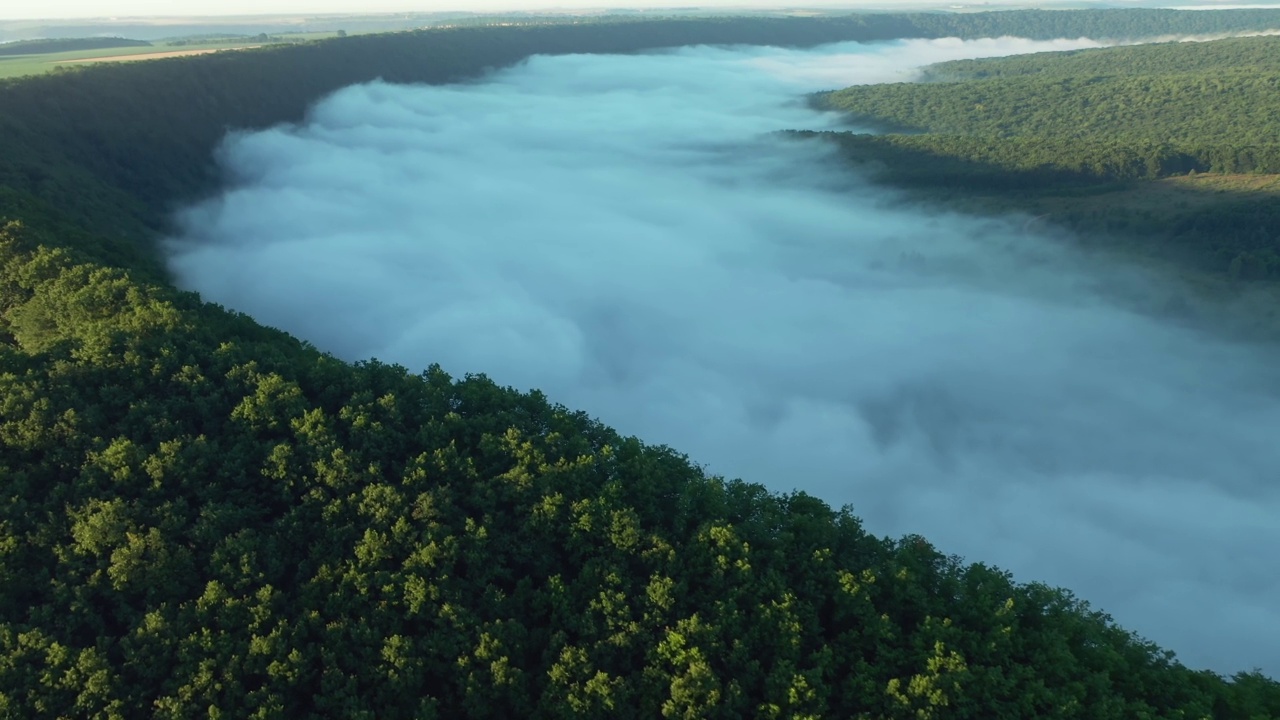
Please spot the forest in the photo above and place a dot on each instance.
(1092, 124)
(203, 516)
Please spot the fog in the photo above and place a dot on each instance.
(628, 234)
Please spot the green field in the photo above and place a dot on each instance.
(37, 64)
(21, 65)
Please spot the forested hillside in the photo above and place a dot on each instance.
(200, 516)
(1215, 94)
(1239, 55)
(1047, 122)
(1113, 24)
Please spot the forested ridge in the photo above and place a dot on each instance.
(1245, 54)
(200, 516)
(1050, 121)
(1219, 93)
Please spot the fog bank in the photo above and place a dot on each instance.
(627, 234)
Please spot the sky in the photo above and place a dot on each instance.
(630, 235)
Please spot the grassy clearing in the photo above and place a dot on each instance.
(154, 56)
(1215, 183)
(22, 65)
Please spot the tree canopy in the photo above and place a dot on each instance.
(1125, 114)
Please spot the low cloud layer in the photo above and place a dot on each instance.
(627, 234)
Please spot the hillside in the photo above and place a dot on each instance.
(1248, 54)
(1121, 95)
(201, 516)
(1092, 137)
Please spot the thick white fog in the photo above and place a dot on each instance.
(627, 234)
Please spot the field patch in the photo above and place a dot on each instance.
(152, 56)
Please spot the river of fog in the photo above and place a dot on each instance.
(627, 234)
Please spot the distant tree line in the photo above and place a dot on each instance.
(223, 39)
(1238, 55)
(1109, 24)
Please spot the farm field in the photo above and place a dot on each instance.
(40, 63)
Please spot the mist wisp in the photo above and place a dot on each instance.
(627, 234)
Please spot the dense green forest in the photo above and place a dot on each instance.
(200, 516)
(1221, 93)
(1090, 122)
(1247, 54)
